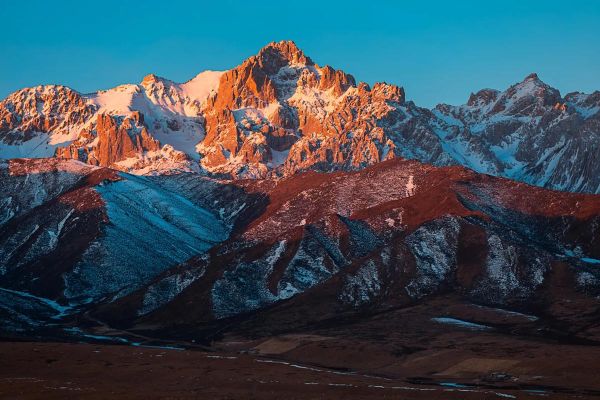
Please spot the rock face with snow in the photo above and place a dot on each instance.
(387, 236)
(117, 139)
(152, 127)
(279, 113)
(54, 109)
(73, 231)
(527, 133)
(35, 121)
(280, 109)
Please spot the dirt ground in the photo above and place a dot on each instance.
(30, 370)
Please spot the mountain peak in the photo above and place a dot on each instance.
(285, 51)
(152, 78)
(531, 77)
(284, 46)
(533, 85)
(483, 97)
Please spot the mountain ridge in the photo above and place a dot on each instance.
(278, 113)
(189, 255)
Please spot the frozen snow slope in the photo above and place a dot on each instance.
(150, 229)
(83, 233)
(171, 110)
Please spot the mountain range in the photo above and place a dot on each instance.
(281, 209)
(279, 113)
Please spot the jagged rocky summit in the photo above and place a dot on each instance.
(279, 113)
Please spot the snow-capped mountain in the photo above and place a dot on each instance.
(150, 127)
(528, 133)
(280, 113)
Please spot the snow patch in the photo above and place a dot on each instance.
(461, 323)
(37, 147)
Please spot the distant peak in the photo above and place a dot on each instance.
(531, 77)
(533, 87)
(44, 89)
(285, 51)
(484, 96)
(151, 78)
(288, 46)
(533, 80)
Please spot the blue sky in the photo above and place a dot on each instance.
(440, 51)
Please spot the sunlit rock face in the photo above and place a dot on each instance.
(279, 113)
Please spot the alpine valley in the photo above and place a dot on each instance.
(281, 214)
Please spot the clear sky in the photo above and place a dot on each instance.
(440, 51)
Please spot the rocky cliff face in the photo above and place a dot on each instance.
(528, 133)
(49, 109)
(279, 113)
(116, 139)
(36, 121)
(152, 127)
